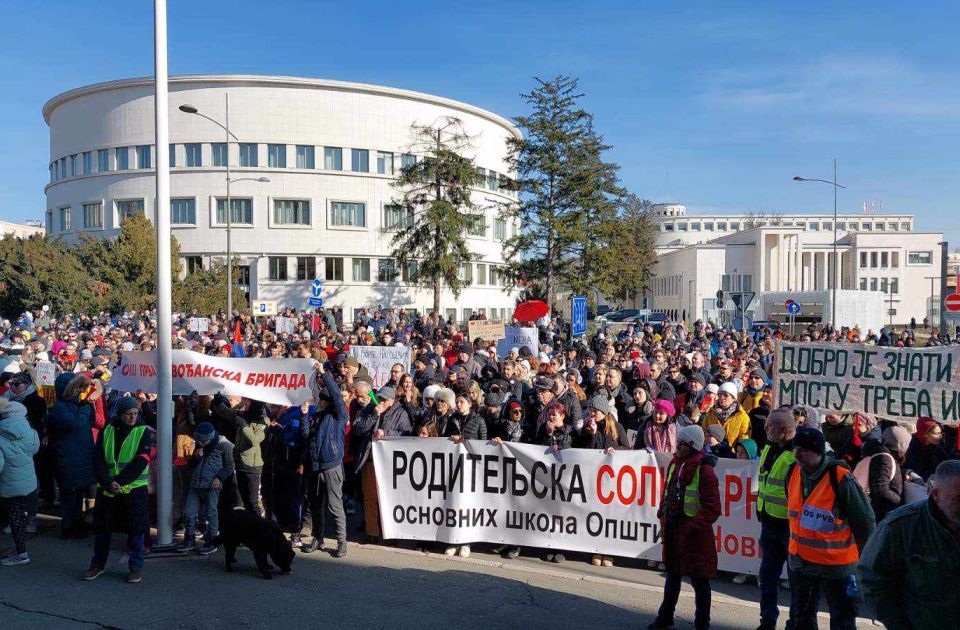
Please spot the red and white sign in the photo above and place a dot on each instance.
(952, 302)
(274, 381)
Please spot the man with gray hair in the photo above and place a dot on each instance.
(910, 567)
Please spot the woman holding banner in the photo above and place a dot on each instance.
(689, 507)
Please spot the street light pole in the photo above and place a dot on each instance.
(836, 261)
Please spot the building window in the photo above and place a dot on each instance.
(128, 208)
(894, 286)
(304, 156)
(397, 217)
(361, 270)
(410, 271)
(278, 267)
(884, 285)
(306, 267)
(476, 225)
(494, 275)
(919, 258)
(123, 158)
(386, 270)
(722, 227)
(194, 154)
(493, 180)
(682, 227)
(384, 163)
(499, 229)
(873, 284)
(194, 264)
(863, 284)
(866, 227)
(905, 227)
(884, 260)
(333, 158)
(815, 227)
(827, 226)
(735, 226)
(291, 212)
(49, 221)
(277, 155)
(173, 155)
(219, 153)
(63, 168)
(333, 268)
(466, 273)
(183, 211)
(93, 215)
(407, 160)
(873, 260)
(668, 227)
(708, 226)
(66, 219)
(894, 259)
(143, 156)
(103, 160)
(841, 225)
(241, 211)
(73, 166)
(879, 227)
(347, 214)
(359, 160)
(248, 154)
(87, 162)
(481, 274)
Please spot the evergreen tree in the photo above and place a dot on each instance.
(568, 193)
(436, 189)
(36, 271)
(206, 291)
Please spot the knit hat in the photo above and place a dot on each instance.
(352, 361)
(716, 431)
(513, 404)
(924, 426)
(600, 403)
(666, 407)
(491, 400)
(430, 391)
(447, 396)
(713, 388)
(125, 404)
(692, 436)
(810, 439)
(698, 377)
(729, 388)
(386, 393)
(544, 383)
(204, 432)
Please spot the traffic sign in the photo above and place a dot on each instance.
(742, 300)
(793, 307)
(316, 294)
(952, 302)
(578, 316)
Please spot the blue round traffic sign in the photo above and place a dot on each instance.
(793, 307)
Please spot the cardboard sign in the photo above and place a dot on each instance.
(46, 373)
(488, 330)
(379, 359)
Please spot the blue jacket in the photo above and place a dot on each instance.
(325, 435)
(18, 444)
(70, 427)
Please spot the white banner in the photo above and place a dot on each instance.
(898, 384)
(516, 337)
(275, 381)
(573, 500)
(379, 359)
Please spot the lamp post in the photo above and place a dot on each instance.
(836, 259)
(190, 109)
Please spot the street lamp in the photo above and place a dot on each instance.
(836, 259)
(190, 109)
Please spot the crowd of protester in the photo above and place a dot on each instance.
(698, 393)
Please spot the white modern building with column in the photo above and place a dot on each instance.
(330, 151)
(884, 271)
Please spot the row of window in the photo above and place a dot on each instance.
(890, 286)
(813, 226)
(891, 259)
(286, 212)
(305, 268)
(191, 155)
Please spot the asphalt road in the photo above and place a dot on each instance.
(373, 587)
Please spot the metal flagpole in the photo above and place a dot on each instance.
(164, 461)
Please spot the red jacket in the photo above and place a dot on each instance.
(689, 546)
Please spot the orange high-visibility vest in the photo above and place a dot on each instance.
(816, 534)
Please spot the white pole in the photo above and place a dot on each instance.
(164, 307)
(226, 126)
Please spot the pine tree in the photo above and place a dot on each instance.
(626, 253)
(567, 191)
(436, 189)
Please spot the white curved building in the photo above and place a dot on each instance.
(330, 150)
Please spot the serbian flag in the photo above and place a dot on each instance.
(237, 340)
(315, 323)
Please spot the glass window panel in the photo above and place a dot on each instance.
(304, 156)
(194, 154)
(66, 218)
(103, 160)
(277, 155)
(87, 162)
(306, 268)
(93, 215)
(359, 160)
(183, 211)
(291, 212)
(333, 268)
(348, 214)
(218, 152)
(384, 163)
(123, 158)
(361, 270)
(128, 208)
(241, 211)
(333, 158)
(386, 270)
(248, 154)
(143, 156)
(278, 267)
(397, 217)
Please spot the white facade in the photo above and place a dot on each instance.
(19, 230)
(879, 272)
(331, 151)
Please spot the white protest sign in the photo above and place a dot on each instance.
(199, 324)
(46, 373)
(275, 381)
(263, 308)
(516, 337)
(379, 359)
(488, 330)
(285, 325)
(575, 499)
(899, 384)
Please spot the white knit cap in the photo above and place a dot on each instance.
(730, 388)
(430, 391)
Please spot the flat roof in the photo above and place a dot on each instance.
(278, 81)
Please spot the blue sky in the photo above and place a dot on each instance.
(732, 99)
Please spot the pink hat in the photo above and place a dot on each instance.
(666, 407)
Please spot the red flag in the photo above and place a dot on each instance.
(315, 323)
(237, 335)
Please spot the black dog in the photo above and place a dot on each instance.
(262, 537)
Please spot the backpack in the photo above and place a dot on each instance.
(862, 471)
